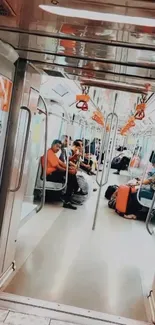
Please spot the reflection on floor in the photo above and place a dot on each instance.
(68, 263)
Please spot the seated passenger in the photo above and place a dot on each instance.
(136, 210)
(98, 148)
(73, 157)
(56, 170)
(75, 152)
(125, 156)
(84, 164)
(63, 152)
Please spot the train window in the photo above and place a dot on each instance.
(60, 90)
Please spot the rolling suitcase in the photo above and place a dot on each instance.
(123, 199)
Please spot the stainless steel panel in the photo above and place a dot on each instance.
(13, 206)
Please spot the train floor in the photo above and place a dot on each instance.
(60, 259)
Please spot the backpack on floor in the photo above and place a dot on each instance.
(110, 191)
(115, 162)
(83, 184)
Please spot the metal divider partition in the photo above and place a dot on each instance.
(107, 158)
(67, 119)
(24, 108)
(151, 206)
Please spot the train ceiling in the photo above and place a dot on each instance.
(82, 48)
(107, 54)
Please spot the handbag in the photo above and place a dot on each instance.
(112, 203)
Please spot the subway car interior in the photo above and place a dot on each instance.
(77, 162)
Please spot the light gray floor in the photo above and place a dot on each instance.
(107, 270)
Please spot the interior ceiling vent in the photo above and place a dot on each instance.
(6, 9)
(54, 73)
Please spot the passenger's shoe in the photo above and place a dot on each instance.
(81, 193)
(92, 173)
(116, 173)
(94, 189)
(76, 203)
(69, 206)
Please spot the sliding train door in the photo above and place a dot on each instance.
(7, 70)
(17, 161)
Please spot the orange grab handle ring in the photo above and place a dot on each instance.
(139, 115)
(82, 105)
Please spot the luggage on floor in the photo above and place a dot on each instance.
(110, 191)
(115, 162)
(83, 184)
(123, 199)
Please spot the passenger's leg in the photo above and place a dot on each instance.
(56, 177)
(90, 163)
(135, 208)
(71, 185)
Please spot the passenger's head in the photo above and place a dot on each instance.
(76, 145)
(80, 141)
(56, 145)
(81, 144)
(64, 140)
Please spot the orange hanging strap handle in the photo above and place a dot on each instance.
(98, 117)
(83, 97)
(140, 108)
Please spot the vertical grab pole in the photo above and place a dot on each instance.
(90, 130)
(84, 139)
(104, 137)
(105, 161)
(45, 155)
(112, 147)
(149, 215)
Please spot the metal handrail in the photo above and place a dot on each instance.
(105, 161)
(24, 149)
(40, 206)
(38, 209)
(45, 155)
(113, 142)
(101, 151)
(90, 133)
(140, 186)
(149, 216)
(84, 139)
